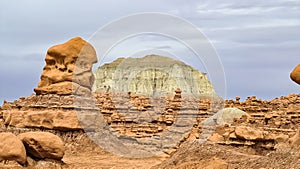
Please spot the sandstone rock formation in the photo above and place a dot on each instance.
(225, 116)
(43, 145)
(12, 148)
(295, 74)
(248, 133)
(281, 113)
(43, 111)
(65, 87)
(68, 69)
(295, 140)
(271, 124)
(152, 75)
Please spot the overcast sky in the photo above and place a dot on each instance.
(257, 41)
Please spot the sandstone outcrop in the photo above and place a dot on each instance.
(281, 113)
(295, 74)
(12, 148)
(64, 89)
(248, 133)
(295, 140)
(225, 116)
(152, 75)
(46, 111)
(270, 124)
(68, 69)
(43, 145)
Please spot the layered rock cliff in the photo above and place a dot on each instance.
(151, 75)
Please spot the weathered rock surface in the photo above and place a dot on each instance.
(248, 133)
(50, 111)
(271, 124)
(68, 69)
(64, 89)
(50, 119)
(295, 140)
(12, 148)
(243, 135)
(152, 75)
(43, 145)
(281, 113)
(295, 74)
(225, 116)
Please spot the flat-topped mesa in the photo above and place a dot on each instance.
(68, 69)
(152, 75)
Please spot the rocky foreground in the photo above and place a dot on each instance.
(266, 137)
(66, 125)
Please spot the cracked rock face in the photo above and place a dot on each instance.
(68, 69)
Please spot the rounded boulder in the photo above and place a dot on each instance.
(12, 148)
(225, 116)
(43, 145)
(295, 74)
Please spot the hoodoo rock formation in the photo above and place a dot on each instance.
(295, 74)
(66, 76)
(68, 69)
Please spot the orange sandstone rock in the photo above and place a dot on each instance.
(68, 69)
(295, 74)
(43, 145)
(12, 148)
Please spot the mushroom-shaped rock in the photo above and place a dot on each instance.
(68, 69)
(225, 116)
(295, 74)
(12, 148)
(43, 145)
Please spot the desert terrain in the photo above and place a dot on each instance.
(167, 115)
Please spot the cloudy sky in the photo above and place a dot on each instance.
(257, 41)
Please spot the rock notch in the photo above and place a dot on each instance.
(68, 69)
